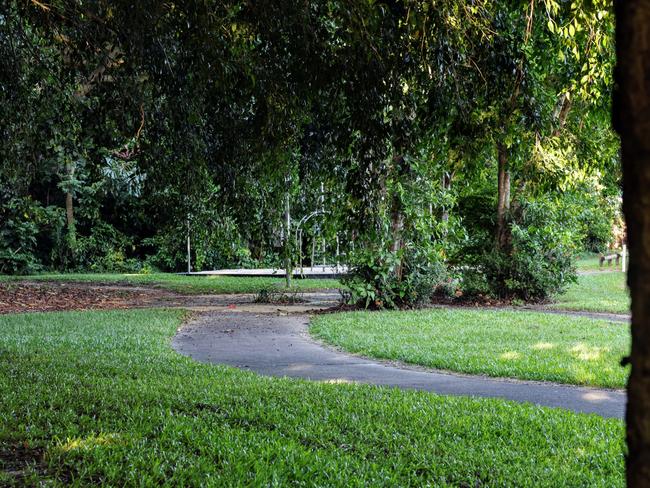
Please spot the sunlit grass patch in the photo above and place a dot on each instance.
(591, 262)
(514, 344)
(92, 442)
(600, 292)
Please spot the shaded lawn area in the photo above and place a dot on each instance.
(185, 284)
(591, 262)
(100, 398)
(512, 344)
(601, 292)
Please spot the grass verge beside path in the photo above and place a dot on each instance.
(601, 292)
(510, 344)
(100, 398)
(185, 284)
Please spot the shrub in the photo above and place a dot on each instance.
(374, 280)
(24, 225)
(473, 281)
(538, 264)
(105, 250)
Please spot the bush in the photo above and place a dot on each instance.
(105, 250)
(538, 264)
(169, 251)
(374, 281)
(24, 223)
(473, 281)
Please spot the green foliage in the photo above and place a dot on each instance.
(163, 120)
(532, 273)
(372, 279)
(539, 262)
(597, 215)
(393, 280)
(105, 251)
(24, 223)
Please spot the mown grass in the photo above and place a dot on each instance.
(185, 284)
(600, 292)
(591, 262)
(512, 344)
(100, 398)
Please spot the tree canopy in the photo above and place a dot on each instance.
(427, 134)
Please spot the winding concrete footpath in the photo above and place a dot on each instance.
(280, 346)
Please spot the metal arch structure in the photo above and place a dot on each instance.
(299, 228)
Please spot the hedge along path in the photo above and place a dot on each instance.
(280, 345)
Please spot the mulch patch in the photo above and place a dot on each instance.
(16, 458)
(30, 297)
(459, 301)
(471, 301)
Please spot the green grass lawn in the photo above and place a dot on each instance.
(513, 344)
(601, 292)
(100, 398)
(185, 284)
(591, 262)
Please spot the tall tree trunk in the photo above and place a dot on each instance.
(632, 121)
(288, 268)
(69, 209)
(397, 216)
(563, 109)
(396, 223)
(503, 200)
(189, 247)
(446, 186)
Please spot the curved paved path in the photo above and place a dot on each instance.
(280, 346)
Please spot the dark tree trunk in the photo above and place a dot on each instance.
(69, 212)
(632, 121)
(562, 113)
(503, 200)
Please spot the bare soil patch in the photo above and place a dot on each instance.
(50, 297)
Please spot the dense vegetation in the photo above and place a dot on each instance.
(432, 146)
(77, 416)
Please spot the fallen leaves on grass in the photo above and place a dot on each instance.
(16, 298)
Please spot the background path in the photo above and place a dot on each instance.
(280, 346)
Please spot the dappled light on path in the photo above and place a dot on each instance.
(276, 345)
(597, 396)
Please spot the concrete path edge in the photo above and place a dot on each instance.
(280, 345)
